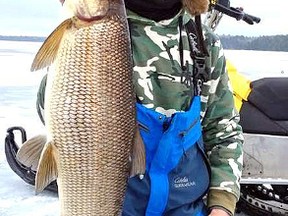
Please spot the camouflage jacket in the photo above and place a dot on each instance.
(157, 79)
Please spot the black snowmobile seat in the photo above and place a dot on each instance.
(266, 110)
(270, 95)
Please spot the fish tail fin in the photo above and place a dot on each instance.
(48, 51)
(138, 155)
(29, 153)
(47, 168)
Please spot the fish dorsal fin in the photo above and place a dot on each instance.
(29, 153)
(48, 51)
(47, 168)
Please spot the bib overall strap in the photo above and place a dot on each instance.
(183, 132)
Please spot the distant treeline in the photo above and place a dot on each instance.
(22, 38)
(265, 43)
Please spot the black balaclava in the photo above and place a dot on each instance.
(155, 9)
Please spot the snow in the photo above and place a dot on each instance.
(18, 88)
(259, 64)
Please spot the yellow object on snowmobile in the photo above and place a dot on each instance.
(240, 84)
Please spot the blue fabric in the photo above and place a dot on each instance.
(176, 172)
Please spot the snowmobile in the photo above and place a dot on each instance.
(262, 105)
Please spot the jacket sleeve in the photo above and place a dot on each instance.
(222, 135)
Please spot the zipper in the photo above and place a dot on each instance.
(166, 123)
(143, 127)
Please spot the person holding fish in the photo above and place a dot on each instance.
(185, 111)
(167, 84)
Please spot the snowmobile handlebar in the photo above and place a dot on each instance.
(250, 19)
(237, 13)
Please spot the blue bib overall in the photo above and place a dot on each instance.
(177, 175)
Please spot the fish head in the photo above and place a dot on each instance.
(87, 10)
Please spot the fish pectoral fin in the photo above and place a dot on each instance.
(29, 153)
(48, 51)
(138, 155)
(47, 168)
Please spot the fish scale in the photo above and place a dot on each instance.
(90, 115)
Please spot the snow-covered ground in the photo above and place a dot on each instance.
(16, 197)
(18, 88)
(258, 64)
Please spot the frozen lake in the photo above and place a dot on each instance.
(18, 88)
(259, 64)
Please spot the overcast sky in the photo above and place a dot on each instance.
(273, 14)
(40, 17)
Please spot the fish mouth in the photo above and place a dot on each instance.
(90, 19)
(92, 14)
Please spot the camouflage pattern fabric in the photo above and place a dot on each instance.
(162, 85)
